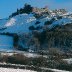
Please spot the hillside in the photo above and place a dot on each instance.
(39, 28)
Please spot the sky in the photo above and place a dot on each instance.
(9, 6)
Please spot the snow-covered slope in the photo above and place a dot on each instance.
(19, 23)
(22, 22)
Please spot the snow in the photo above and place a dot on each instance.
(11, 22)
(22, 22)
(14, 70)
(62, 21)
(54, 70)
(68, 13)
(6, 42)
(69, 61)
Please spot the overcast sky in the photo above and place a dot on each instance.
(9, 6)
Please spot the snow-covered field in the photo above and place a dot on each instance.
(6, 43)
(14, 70)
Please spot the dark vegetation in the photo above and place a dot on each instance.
(38, 27)
(37, 23)
(56, 44)
(37, 16)
(35, 28)
(48, 22)
(3, 29)
(67, 27)
(53, 60)
(26, 9)
(32, 28)
(59, 17)
(15, 39)
(56, 39)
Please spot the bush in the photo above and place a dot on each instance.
(60, 17)
(18, 59)
(64, 66)
(31, 28)
(38, 27)
(37, 16)
(15, 39)
(37, 22)
(26, 9)
(40, 61)
(48, 23)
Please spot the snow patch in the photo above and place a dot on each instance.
(69, 61)
(11, 22)
(15, 70)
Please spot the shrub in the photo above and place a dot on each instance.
(48, 23)
(26, 9)
(31, 28)
(64, 66)
(18, 59)
(15, 39)
(37, 16)
(59, 17)
(38, 27)
(37, 22)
